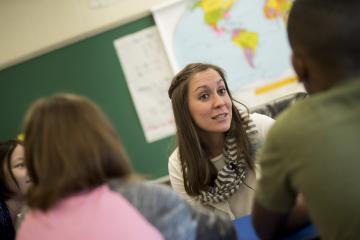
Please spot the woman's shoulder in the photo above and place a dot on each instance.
(261, 119)
(174, 156)
(263, 123)
(174, 163)
(78, 207)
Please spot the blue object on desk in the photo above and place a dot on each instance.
(246, 231)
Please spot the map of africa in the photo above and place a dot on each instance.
(245, 37)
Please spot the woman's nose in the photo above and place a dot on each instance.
(28, 179)
(218, 101)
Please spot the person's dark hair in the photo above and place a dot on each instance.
(6, 150)
(198, 172)
(329, 32)
(70, 146)
(7, 231)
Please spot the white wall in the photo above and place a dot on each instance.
(29, 28)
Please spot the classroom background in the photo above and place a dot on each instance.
(68, 46)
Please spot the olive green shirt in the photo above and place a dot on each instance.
(314, 148)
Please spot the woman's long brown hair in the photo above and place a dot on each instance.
(198, 172)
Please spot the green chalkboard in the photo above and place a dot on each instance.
(90, 68)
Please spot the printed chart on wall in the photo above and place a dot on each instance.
(247, 38)
(148, 75)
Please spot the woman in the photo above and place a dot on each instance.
(213, 163)
(83, 186)
(14, 183)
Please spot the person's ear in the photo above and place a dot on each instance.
(300, 67)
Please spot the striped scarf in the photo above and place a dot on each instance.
(233, 174)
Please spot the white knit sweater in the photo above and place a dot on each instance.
(241, 202)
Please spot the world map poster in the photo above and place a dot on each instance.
(247, 38)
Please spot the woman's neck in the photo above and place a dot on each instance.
(214, 144)
(14, 205)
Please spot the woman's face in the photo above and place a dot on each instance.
(17, 167)
(210, 105)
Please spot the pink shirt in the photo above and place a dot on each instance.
(98, 214)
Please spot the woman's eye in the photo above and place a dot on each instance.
(204, 97)
(222, 91)
(20, 165)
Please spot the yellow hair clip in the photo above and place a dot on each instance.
(20, 137)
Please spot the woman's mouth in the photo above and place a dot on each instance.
(220, 116)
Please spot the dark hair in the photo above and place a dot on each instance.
(6, 150)
(70, 146)
(7, 231)
(329, 32)
(198, 172)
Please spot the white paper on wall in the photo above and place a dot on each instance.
(148, 75)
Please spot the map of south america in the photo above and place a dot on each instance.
(248, 41)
